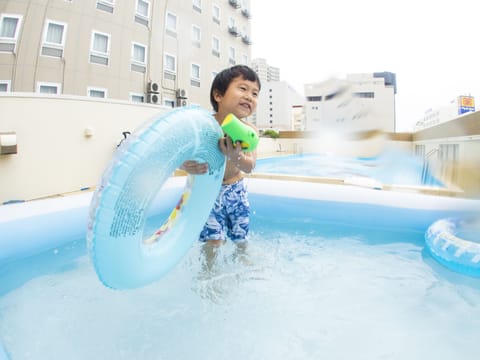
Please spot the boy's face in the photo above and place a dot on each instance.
(240, 98)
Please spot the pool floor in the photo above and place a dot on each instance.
(302, 292)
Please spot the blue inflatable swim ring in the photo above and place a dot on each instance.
(3, 353)
(446, 241)
(123, 255)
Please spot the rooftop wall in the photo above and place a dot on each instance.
(64, 143)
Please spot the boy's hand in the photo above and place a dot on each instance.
(194, 167)
(232, 151)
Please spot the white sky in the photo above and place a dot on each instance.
(431, 45)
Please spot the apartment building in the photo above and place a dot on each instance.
(280, 106)
(265, 71)
(158, 52)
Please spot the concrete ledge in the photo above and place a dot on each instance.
(335, 181)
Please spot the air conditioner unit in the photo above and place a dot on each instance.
(153, 87)
(181, 102)
(153, 98)
(182, 94)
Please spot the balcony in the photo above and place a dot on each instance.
(246, 13)
(246, 39)
(233, 30)
(235, 4)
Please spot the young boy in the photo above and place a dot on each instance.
(234, 90)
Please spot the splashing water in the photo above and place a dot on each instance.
(298, 294)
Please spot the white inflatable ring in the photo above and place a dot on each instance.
(123, 256)
(448, 248)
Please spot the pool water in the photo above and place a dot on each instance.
(391, 167)
(307, 289)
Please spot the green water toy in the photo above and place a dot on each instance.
(238, 131)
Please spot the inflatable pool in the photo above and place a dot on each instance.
(58, 221)
(451, 242)
(299, 229)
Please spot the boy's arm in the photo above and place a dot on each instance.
(194, 167)
(244, 161)
(247, 160)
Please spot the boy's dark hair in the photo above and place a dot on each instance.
(225, 77)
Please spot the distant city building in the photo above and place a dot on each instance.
(357, 103)
(463, 104)
(264, 71)
(158, 52)
(280, 107)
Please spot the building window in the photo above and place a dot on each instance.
(232, 29)
(365, 95)
(106, 5)
(171, 24)
(54, 36)
(170, 67)
(99, 48)
(9, 30)
(169, 103)
(231, 55)
(97, 92)
(216, 46)
(137, 98)
(139, 58)
(244, 59)
(197, 5)
(5, 86)
(142, 12)
(216, 13)
(196, 35)
(245, 11)
(195, 75)
(49, 88)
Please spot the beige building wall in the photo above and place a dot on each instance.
(185, 30)
(63, 143)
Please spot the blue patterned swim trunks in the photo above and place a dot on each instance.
(229, 216)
